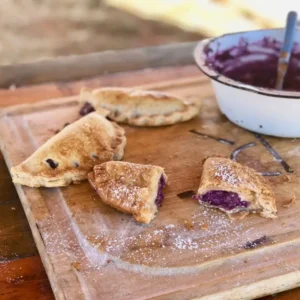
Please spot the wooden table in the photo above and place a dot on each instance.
(22, 275)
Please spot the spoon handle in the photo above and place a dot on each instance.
(286, 49)
(291, 24)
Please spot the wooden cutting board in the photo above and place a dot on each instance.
(91, 251)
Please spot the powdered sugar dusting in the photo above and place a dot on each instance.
(118, 191)
(185, 243)
(295, 151)
(206, 235)
(226, 174)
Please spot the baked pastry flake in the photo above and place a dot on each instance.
(71, 154)
(134, 189)
(235, 189)
(138, 107)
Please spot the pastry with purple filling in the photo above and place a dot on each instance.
(134, 189)
(138, 107)
(235, 189)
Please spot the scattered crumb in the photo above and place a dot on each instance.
(76, 265)
(13, 208)
(189, 225)
(204, 226)
(286, 178)
(290, 202)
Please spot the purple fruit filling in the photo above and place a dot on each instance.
(160, 196)
(223, 199)
(254, 63)
(86, 109)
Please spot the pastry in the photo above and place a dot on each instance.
(235, 189)
(71, 154)
(137, 107)
(131, 188)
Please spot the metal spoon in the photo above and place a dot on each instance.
(286, 49)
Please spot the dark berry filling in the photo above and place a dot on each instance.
(52, 163)
(160, 196)
(86, 109)
(223, 199)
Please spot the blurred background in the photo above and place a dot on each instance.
(35, 29)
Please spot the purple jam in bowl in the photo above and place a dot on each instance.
(223, 199)
(160, 196)
(255, 63)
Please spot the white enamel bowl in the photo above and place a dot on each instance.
(262, 110)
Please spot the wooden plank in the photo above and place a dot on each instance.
(95, 64)
(167, 270)
(15, 235)
(24, 279)
(30, 94)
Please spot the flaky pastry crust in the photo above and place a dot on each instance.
(226, 175)
(71, 154)
(128, 187)
(138, 107)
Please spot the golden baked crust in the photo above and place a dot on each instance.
(140, 108)
(71, 154)
(130, 188)
(226, 175)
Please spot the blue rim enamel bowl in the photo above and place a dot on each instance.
(263, 110)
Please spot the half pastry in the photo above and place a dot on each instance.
(71, 154)
(137, 107)
(235, 189)
(131, 188)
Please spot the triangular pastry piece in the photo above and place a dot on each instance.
(71, 154)
(138, 107)
(131, 188)
(235, 189)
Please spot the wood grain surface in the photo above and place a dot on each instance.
(191, 84)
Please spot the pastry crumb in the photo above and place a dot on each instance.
(76, 265)
(286, 178)
(189, 225)
(204, 226)
(290, 202)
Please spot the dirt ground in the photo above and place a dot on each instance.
(34, 29)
